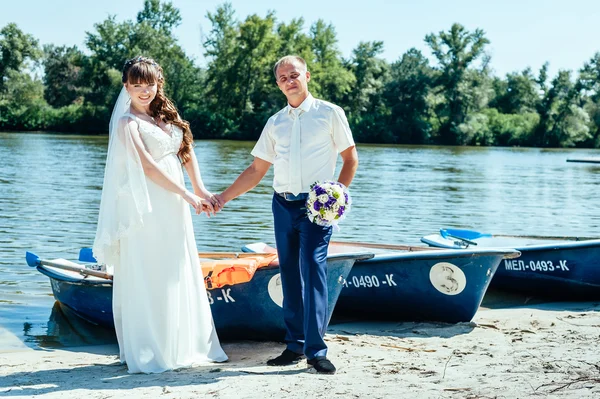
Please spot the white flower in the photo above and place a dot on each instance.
(334, 192)
(341, 199)
(335, 208)
(338, 190)
(330, 215)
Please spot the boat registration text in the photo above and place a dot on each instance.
(370, 281)
(540, 265)
(225, 295)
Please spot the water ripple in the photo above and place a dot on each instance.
(51, 187)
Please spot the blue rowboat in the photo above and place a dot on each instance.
(558, 267)
(413, 283)
(584, 160)
(250, 310)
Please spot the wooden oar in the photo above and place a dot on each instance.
(234, 255)
(408, 248)
(86, 255)
(461, 239)
(34, 261)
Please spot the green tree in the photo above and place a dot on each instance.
(222, 91)
(519, 93)
(513, 114)
(112, 43)
(153, 36)
(293, 41)
(407, 96)
(239, 77)
(365, 104)
(258, 44)
(109, 47)
(563, 121)
(63, 69)
(455, 51)
(476, 92)
(509, 129)
(589, 79)
(22, 105)
(370, 73)
(331, 81)
(17, 50)
(161, 17)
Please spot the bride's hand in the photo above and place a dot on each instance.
(210, 197)
(202, 193)
(193, 200)
(208, 208)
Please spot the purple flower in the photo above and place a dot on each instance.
(319, 211)
(319, 190)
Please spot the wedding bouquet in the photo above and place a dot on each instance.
(328, 203)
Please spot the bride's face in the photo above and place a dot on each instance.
(141, 94)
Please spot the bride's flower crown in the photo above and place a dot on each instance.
(135, 60)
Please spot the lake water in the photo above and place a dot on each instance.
(50, 188)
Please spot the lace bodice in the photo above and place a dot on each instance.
(159, 143)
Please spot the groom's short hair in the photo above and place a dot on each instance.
(289, 59)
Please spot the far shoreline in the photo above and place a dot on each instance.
(399, 145)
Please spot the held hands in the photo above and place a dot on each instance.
(219, 201)
(214, 199)
(199, 204)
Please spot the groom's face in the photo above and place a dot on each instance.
(292, 79)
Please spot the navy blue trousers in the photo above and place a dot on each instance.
(302, 249)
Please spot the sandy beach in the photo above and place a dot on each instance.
(546, 350)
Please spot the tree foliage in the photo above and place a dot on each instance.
(456, 99)
(455, 51)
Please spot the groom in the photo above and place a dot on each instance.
(302, 141)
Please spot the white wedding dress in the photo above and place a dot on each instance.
(161, 312)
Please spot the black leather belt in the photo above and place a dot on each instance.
(292, 197)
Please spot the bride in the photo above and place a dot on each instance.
(161, 312)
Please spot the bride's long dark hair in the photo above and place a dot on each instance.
(145, 70)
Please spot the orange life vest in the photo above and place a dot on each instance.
(218, 273)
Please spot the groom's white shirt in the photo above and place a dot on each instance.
(324, 133)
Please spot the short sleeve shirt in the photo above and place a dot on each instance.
(324, 132)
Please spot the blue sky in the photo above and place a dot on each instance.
(522, 33)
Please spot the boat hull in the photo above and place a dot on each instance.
(250, 310)
(401, 287)
(413, 283)
(559, 272)
(553, 268)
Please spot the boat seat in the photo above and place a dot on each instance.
(219, 273)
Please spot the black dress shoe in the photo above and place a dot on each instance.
(285, 359)
(322, 365)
